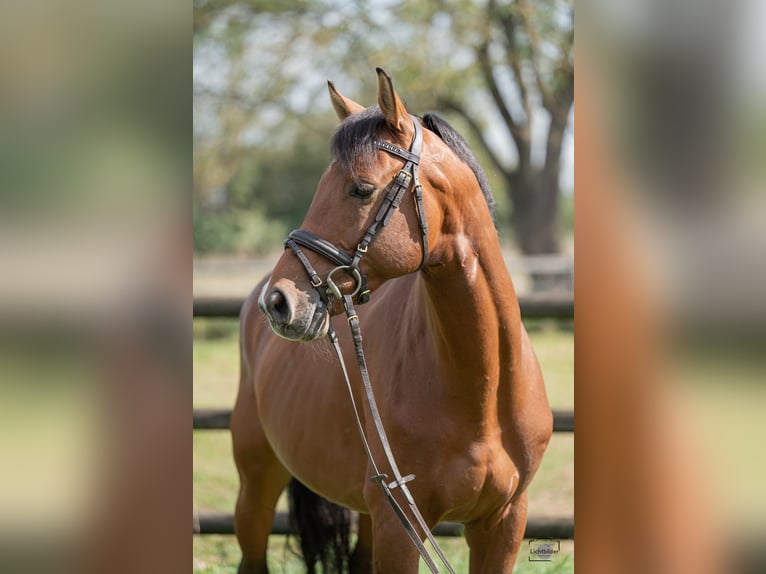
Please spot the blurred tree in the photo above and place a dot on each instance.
(526, 59)
(503, 68)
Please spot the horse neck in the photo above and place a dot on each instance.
(473, 315)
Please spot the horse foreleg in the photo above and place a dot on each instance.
(262, 478)
(393, 551)
(495, 545)
(361, 559)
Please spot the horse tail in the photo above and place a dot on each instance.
(323, 530)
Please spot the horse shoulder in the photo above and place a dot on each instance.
(251, 327)
(250, 446)
(528, 421)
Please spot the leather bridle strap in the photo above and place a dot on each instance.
(406, 178)
(321, 246)
(316, 281)
(378, 476)
(328, 250)
(413, 161)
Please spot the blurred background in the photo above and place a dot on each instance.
(501, 72)
(101, 219)
(671, 286)
(95, 285)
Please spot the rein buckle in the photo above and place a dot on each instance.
(401, 481)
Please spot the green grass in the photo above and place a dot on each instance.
(216, 364)
(220, 555)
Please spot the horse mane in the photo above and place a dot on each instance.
(354, 140)
(457, 144)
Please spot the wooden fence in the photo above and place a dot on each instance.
(532, 306)
(537, 307)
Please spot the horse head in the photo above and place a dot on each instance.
(390, 181)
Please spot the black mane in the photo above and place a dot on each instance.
(355, 139)
(458, 145)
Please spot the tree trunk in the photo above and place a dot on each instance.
(535, 214)
(534, 194)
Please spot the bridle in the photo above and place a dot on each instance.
(350, 263)
(328, 290)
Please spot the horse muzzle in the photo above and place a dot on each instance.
(294, 314)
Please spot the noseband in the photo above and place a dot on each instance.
(349, 264)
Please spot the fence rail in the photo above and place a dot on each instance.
(223, 523)
(219, 419)
(532, 306)
(537, 307)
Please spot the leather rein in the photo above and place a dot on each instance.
(328, 290)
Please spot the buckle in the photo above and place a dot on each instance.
(363, 297)
(334, 290)
(401, 481)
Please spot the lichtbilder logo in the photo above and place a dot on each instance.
(543, 550)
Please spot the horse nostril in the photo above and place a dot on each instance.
(278, 307)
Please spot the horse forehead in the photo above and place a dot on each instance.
(379, 167)
(376, 169)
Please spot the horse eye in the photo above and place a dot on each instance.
(362, 192)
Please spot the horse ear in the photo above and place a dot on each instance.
(397, 117)
(343, 106)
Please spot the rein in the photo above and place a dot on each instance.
(349, 264)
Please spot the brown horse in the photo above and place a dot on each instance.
(460, 390)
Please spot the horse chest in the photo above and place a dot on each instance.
(444, 438)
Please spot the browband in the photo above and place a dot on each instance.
(396, 150)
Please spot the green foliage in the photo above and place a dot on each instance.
(280, 182)
(235, 231)
(263, 119)
(212, 232)
(267, 196)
